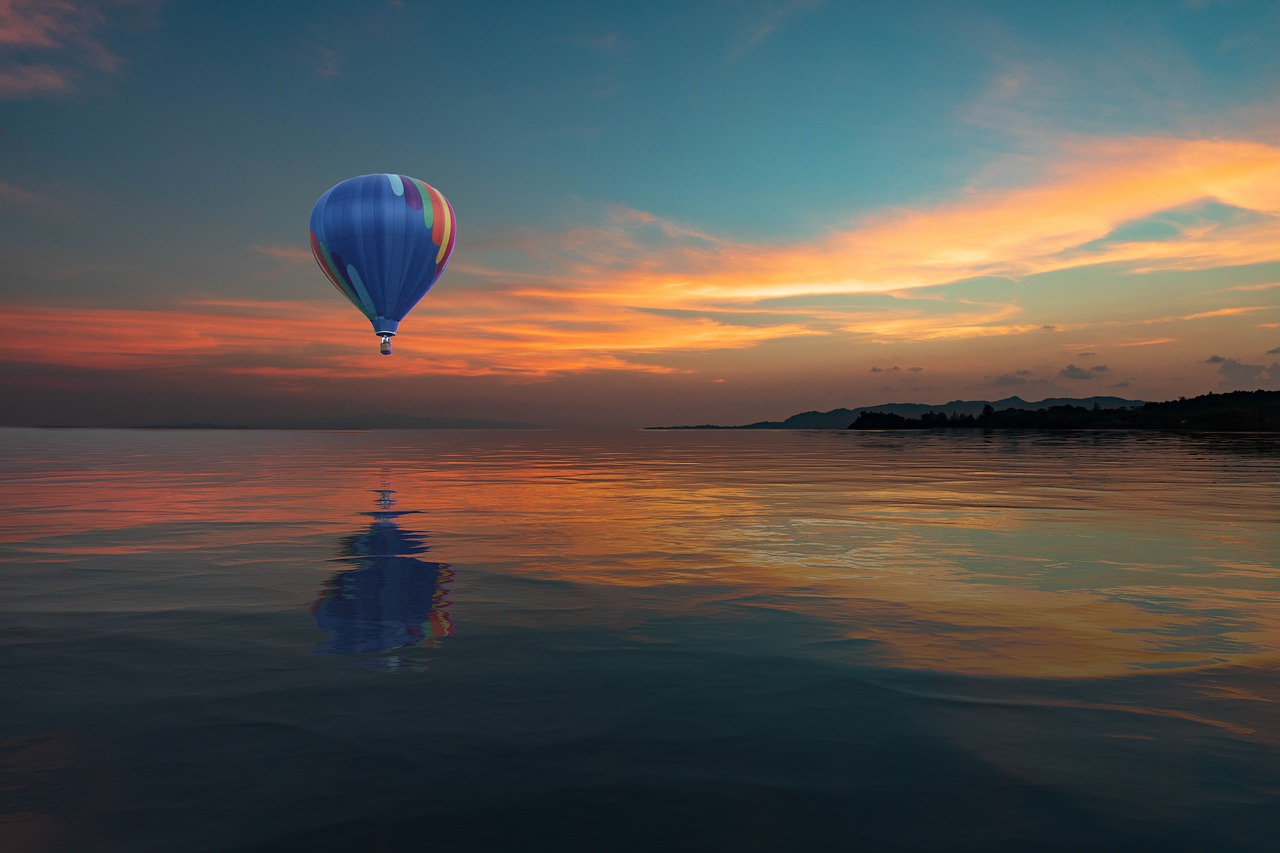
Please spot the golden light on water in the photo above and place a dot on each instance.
(960, 558)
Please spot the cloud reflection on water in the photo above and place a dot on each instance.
(919, 640)
(1014, 555)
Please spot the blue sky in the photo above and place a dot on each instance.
(714, 211)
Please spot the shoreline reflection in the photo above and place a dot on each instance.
(387, 599)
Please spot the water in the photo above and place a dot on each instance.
(215, 641)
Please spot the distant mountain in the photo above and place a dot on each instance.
(841, 418)
(385, 420)
(394, 421)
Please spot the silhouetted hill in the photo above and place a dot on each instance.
(841, 418)
(1237, 411)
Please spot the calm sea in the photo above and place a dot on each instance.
(606, 641)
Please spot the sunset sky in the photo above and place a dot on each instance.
(668, 213)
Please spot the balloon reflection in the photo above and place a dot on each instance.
(387, 598)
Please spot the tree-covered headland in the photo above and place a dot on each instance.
(1237, 411)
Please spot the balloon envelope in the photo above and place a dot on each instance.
(382, 240)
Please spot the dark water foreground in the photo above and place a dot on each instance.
(744, 641)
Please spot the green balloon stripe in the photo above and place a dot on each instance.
(428, 214)
(339, 279)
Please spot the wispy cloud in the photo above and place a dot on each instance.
(774, 18)
(467, 341)
(47, 45)
(288, 260)
(19, 197)
(330, 63)
(606, 43)
(1217, 312)
(632, 289)
(289, 254)
(26, 81)
(1252, 287)
(1073, 216)
(45, 24)
(1152, 342)
(1073, 372)
(616, 293)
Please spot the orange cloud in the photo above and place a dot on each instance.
(1220, 312)
(1014, 232)
(1151, 343)
(635, 282)
(1267, 286)
(1065, 220)
(616, 294)
(331, 339)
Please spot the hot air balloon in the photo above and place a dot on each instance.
(383, 240)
